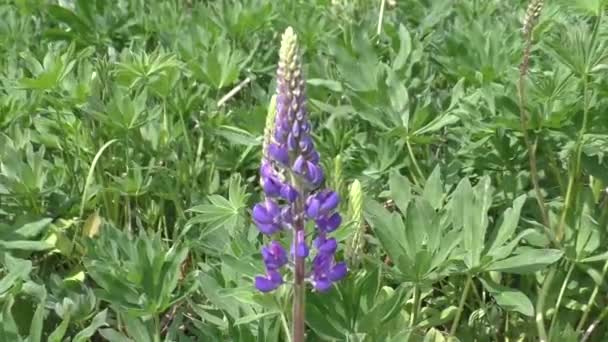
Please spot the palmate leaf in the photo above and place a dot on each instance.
(221, 212)
(508, 298)
(527, 260)
(22, 238)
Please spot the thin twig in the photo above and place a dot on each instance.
(233, 92)
(594, 325)
(531, 16)
(381, 16)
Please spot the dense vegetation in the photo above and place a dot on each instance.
(467, 140)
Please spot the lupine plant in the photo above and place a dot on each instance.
(292, 179)
(459, 167)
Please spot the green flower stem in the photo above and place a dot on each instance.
(415, 306)
(591, 300)
(595, 324)
(540, 306)
(463, 299)
(413, 159)
(559, 301)
(286, 328)
(574, 172)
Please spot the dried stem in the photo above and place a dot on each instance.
(525, 117)
(233, 92)
(381, 16)
(531, 15)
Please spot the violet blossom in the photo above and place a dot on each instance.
(291, 177)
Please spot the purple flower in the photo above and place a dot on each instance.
(321, 203)
(274, 256)
(291, 177)
(271, 281)
(325, 271)
(267, 216)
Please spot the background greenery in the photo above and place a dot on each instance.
(126, 180)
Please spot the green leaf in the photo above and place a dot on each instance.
(98, 321)
(598, 257)
(38, 320)
(389, 229)
(59, 332)
(528, 261)
(32, 229)
(8, 328)
(405, 48)
(510, 219)
(504, 251)
(27, 245)
(438, 123)
(383, 311)
(329, 84)
(400, 189)
(508, 298)
(112, 335)
(237, 135)
(256, 317)
(433, 189)
(469, 210)
(444, 316)
(434, 335)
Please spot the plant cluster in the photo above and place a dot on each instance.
(260, 170)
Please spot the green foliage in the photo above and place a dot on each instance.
(128, 167)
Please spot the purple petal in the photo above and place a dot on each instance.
(266, 285)
(279, 153)
(299, 165)
(289, 193)
(271, 186)
(268, 229)
(322, 284)
(330, 202)
(338, 272)
(314, 157)
(266, 169)
(329, 224)
(292, 143)
(275, 277)
(319, 240)
(261, 215)
(329, 246)
(286, 216)
(302, 250)
(301, 112)
(295, 129)
(301, 247)
(306, 143)
(274, 256)
(313, 206)
(305, 127)
(314, 174)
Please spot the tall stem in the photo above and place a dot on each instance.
(416, 306)
(587, 309)
(298, 302)
(540, 306)
(413, 158)
(463, 299)
(524, 118)
(581, 134)
(299, 285)
(559, 301)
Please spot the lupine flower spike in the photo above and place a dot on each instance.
(291, 178)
